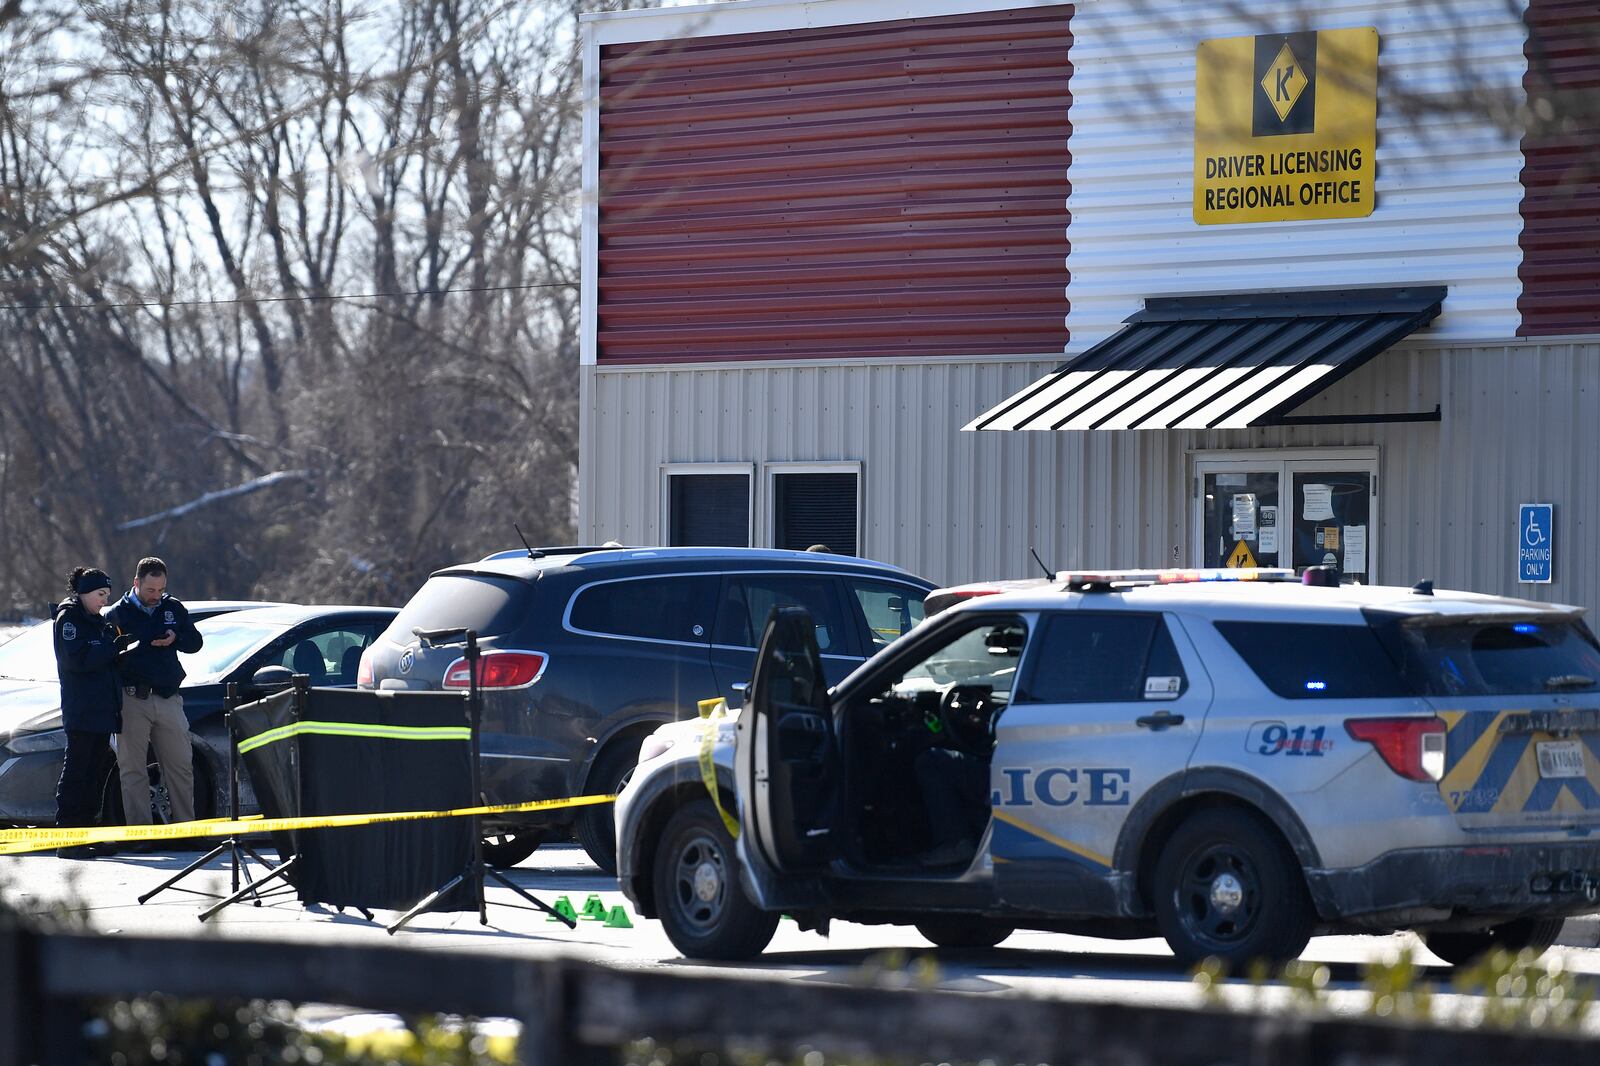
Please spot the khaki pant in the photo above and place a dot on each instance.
(156, 721)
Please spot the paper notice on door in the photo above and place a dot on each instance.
(1355, 549)
(1330, 537)
(1318, 502)
(1268, 531)
(1244, 515)
(1230, 480)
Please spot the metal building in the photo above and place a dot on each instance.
(1130, 282)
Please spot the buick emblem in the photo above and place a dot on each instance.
(407, 658)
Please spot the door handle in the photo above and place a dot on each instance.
(1158, 721)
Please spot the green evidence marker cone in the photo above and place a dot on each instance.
(618, 918)
(563, 907)
(594, 909)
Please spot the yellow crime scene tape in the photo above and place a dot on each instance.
(714, 710)
(18, 841)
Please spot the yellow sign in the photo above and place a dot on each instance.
(1286, 126)
(1241, 557)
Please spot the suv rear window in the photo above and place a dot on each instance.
(1317, 662)
(488, 605)
(1497, 658)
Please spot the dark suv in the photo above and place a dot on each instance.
(587, 650)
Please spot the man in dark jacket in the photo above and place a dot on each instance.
(152, 709)
(86, 649)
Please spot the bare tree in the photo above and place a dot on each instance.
(290, 291)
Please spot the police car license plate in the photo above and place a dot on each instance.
(1561, 758)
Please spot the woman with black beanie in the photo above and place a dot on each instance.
(91, 697)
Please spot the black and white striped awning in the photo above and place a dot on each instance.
(1217, 362)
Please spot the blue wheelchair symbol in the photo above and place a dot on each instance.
(1534, 534)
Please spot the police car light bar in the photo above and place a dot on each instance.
(1106, 579)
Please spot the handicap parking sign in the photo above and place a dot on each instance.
(1536, 550)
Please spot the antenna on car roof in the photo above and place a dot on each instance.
(533, 553)
(1048, 573)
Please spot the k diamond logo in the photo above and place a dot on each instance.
(1286, 74)
(1283, 83)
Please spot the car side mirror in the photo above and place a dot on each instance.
(272, 678)
(741, 689)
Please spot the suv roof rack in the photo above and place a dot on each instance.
(1111, 580)
(554, 549)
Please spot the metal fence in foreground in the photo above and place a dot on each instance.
(579, 1013)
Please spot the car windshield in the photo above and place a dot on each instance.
(30, 655)
(228, 642)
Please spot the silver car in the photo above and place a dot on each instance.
(1236, 760)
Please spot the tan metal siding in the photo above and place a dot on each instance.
(1561, 206)
(1518, 422)
(894, 188)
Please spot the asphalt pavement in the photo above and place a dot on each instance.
(105, 891)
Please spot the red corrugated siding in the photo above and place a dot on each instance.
(1561, 174)
(897, 188)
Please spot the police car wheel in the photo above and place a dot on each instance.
(1459, 947)
(698, 898)
(954, 932)
(1226, 886)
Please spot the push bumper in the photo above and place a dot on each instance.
(1509, 880)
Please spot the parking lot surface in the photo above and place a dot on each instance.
(105, 891)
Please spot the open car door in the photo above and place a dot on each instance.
(786, 754)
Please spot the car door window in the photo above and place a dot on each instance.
(747, 600)
(890, 610)
(1087, 657)
(985, 655)
(328, 656)
(676, 609)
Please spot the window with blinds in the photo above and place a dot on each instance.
(815, 508)
(708, 510)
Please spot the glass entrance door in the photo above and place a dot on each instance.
(1240, 521)
(1287, 509)
(1333, 520)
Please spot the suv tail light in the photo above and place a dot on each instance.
(1413, 747)
(364, 671)
(499, 669)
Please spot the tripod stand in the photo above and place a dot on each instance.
(477, 870)
(232, 846)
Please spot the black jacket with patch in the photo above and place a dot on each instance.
(159, 668)
(86, 661)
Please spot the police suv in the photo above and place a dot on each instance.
(1236, 759)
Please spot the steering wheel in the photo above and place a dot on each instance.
(968, 714)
